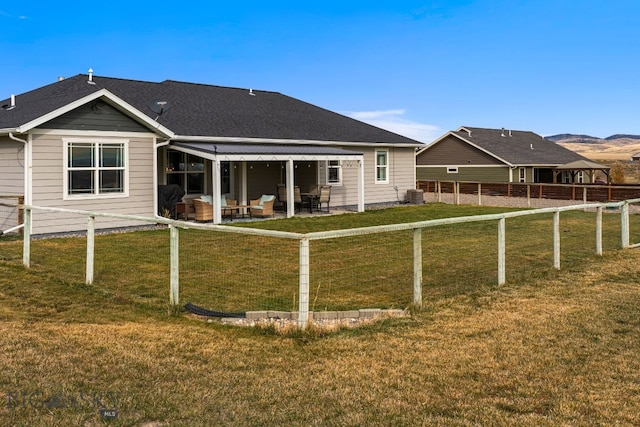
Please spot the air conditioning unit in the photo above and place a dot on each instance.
(415, 197)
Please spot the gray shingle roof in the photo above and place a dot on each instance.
(518, 147)
(206, 110)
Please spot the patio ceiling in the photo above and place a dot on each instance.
(264, 152)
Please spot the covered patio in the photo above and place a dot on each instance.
(575, 167)
(269, 165)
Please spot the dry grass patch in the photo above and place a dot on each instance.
(563, 351)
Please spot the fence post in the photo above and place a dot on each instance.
(417, 267)
(556, 240)
(20, 212)
(26, 242)
(502, 251)
(174, 245)
(439, 191)
(624, 222)
(599, 230)
(91, 226)
(479, 194)
(528, 195)
(303, 299)
(456, 191)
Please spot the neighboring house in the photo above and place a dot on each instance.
(501, 155)
(635, 157)
(106, 144)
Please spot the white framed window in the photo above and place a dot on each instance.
(96, 168)
(523, 175)
(580, 177)
(334, 172)
(452, 169)
(382, 166)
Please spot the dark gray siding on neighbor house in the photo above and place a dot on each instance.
(96, 115)
(480, 174)
(452, 151)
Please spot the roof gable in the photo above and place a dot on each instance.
(515, 147)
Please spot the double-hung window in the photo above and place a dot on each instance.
(334, 172)
(96, 168)
(382, 166)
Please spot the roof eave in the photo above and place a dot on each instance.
(230, 139)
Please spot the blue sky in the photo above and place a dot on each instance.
(420, 68)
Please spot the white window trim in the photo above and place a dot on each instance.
(339, 168)
(375, 171)
(65, 168)
(452, 169)
(522, 175)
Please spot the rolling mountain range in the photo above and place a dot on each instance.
(619, 147)
(587, 139)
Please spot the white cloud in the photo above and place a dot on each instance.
(393, 121)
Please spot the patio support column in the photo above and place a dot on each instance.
(290, 183)
(216, 190)
(360, 185)
(244, 198)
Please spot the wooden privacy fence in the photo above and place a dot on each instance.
(306, 241)
(579, 192)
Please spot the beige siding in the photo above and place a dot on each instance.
(11, 180)
(11, 167)
(48, 187)
(401, 174)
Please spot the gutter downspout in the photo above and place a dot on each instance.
(27, 167)
(156, 145)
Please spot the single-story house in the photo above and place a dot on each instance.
(107, 144)
(501, 155)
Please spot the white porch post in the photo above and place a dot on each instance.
(361, 185)
(243, 184)
(290, 183)
(216, 190)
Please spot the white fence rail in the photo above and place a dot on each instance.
(306, 243)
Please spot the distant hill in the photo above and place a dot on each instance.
(572, 137)
(588, 139)
(622, 136)
(615, 147)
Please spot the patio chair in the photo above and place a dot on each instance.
(324, 197)
(262, 207)
(204, 210)
(281, 193)
(297, 199)
(204, 207)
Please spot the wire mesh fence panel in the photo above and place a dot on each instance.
(10, 215)
(134, 266)
(366, 271)
(231, 272)
(529, 247)
(634, 223)
(577, 239)
(457, 258)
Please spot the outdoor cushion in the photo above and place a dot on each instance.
(207, 199)
(266, 198)
(223, 201)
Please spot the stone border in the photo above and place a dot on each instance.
(365, 313)
(283, 320)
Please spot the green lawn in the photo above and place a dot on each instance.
(548, 348)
